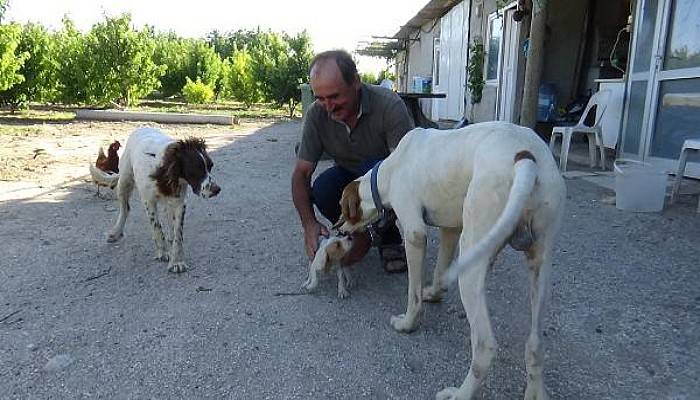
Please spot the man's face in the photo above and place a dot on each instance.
(339, 99)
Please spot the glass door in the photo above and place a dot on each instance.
(676, 112)
(663, 101)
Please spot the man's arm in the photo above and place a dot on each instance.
(301, 196)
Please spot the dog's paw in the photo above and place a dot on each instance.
(309, 285)
(343, 293)
(432, 294)
(536, 391)
(448, 393)
(403, 324)
(161, 256)
(114, 237)
(177, 266)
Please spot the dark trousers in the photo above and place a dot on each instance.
(328, 188)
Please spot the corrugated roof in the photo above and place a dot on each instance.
(434, 9)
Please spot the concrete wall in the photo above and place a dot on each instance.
(418, 60)
(486, 109)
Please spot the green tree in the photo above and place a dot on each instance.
(280, 64)
(121, 67)
(173, 52)
(10, 60)
(368, 77)
(204, 64)
(238, 79)
(73, 83)
(40, 70)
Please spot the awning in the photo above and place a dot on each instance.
(434, 9)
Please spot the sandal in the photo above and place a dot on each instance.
(393, 257)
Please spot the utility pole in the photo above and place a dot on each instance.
(534, 63)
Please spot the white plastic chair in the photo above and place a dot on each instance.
(594, 133)
(688, 146)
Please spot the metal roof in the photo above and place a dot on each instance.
(434, 9)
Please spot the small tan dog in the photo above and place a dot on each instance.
(330, 251)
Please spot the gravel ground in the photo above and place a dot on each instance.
(81, 318)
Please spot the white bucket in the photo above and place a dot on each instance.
(639, 186)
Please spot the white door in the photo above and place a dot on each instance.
(664, 81)
(507, 104)
(452, 68)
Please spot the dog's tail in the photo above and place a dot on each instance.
(103, 178)
(525, 175)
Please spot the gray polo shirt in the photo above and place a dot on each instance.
(383, 121)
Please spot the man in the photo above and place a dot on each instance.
(357, 125)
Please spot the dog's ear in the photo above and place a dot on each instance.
(350, 203)
(167, 174)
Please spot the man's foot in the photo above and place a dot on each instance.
(361, 243)
(393, 258)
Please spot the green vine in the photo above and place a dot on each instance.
(475, 71)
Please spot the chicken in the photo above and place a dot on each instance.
(108, 163)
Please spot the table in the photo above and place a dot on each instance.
(413, 105)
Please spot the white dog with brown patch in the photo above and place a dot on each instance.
(330, 251)
(161, 168)
(485, 185)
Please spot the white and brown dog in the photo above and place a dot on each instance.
(485, 185)
(161, 168)
(330, 251)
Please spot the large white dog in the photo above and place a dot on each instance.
(161, 168)
(496, 183)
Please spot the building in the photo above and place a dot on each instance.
(647, 52)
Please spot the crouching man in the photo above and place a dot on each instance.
(357, 125)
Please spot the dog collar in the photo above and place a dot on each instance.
(382, 222)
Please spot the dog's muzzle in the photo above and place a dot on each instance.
(209, 188)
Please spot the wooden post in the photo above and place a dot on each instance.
(534, 63)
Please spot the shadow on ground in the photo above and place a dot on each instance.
(82, 318)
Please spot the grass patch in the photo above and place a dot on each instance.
(14, 122)
(37, 114)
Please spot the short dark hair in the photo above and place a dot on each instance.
(342, 59)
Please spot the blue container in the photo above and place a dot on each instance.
(546, 103)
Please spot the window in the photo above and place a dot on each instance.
(494, 46)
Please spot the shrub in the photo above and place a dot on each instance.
(197, 92)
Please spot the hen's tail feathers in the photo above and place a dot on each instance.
(103, 178)
(520, 190)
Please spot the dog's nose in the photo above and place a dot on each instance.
(215, 189)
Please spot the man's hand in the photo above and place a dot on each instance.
(311, 234)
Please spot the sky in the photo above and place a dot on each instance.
(330, 24)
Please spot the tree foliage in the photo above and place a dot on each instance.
(197, 92)
(238, 80)
(10, 60)
(115, 63)
(120, 62)
(40, 69)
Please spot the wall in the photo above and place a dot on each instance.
(486, 109)
(420, 58)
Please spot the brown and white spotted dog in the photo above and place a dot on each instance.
(161, 168)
